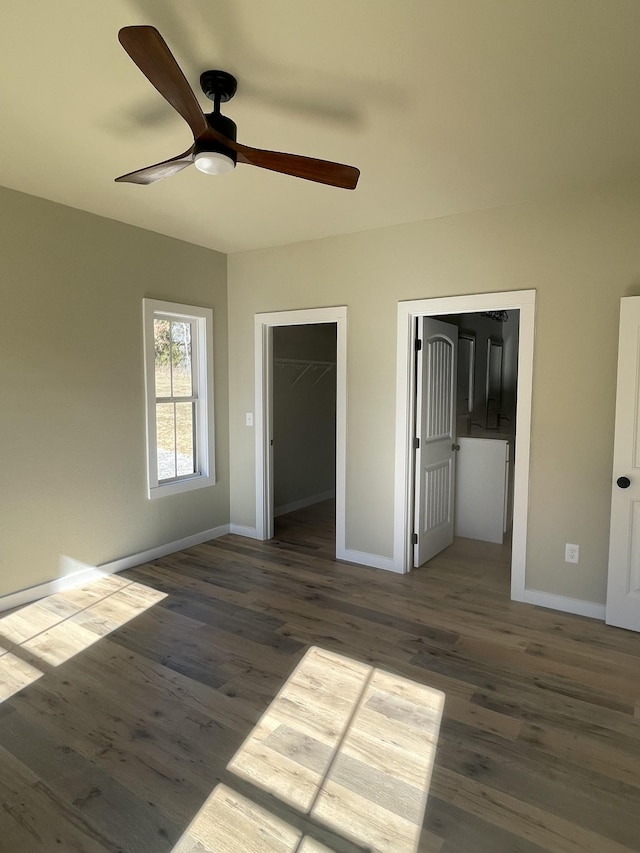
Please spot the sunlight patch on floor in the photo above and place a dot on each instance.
(230, 823)
(55, 629)
(349, 746)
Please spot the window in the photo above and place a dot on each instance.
(178, 378)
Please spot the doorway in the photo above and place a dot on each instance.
(476, 415)
(310, 371)
(408, 312)
(304, 426)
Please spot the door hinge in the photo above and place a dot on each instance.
(418, 344)
(416, 443)
(414, 538)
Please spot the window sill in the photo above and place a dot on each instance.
(179, 486)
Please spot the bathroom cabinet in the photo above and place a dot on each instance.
(482, 498)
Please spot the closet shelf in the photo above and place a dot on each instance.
(304, 366)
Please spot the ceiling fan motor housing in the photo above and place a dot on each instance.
(227, 128)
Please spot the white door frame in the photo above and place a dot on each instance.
(516, 300)
(264, 324)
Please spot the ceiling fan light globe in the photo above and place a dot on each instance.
(213, 163)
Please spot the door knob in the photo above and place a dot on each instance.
(455, 447)
(623, 482)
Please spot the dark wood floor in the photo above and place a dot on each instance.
(117, 747)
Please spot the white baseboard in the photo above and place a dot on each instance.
(241, 530)
(375, 561)
(304, 502)
(564, 603)
(85, 574)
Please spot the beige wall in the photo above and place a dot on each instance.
(72, 420)
(580, 254)
(72, 433)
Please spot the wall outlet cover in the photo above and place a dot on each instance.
(571, 553)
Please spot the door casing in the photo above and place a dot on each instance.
(516, 300)
(264, 324)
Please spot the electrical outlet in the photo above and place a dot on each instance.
(571, 553)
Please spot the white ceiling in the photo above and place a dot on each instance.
(445, 105)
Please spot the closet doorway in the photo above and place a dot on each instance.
(300, 416)
(304, 430)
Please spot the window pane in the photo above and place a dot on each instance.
(181, 359)
(162, 348)
(184, 437)
(166, 440)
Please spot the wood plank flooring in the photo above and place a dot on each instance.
(125, 707)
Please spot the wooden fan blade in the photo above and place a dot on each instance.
(150, 53)
(320, 171)
(151, 174)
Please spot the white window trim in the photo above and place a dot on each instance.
(203, 379)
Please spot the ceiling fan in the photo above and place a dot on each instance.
(214, 150)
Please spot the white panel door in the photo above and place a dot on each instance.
(435, 433)
(623, 587)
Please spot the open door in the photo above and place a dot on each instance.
(623, 587)
(436, 380)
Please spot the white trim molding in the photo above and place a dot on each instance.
(264, 325)
(304, 502)
(374, 561)
(562, 602)
(77, 573)
(515, 300)
(243, 530)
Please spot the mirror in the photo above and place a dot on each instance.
(494, 383)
